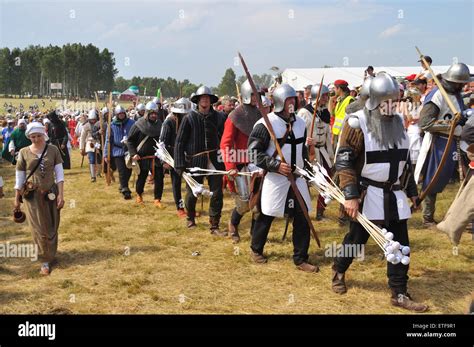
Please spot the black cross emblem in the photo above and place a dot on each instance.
(393, 156)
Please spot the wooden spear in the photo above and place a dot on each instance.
(269, 126)
(312, 150)
(108, 139)
(457, 117)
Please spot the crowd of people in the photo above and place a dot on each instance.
(379, 141)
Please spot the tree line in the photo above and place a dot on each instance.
(84, 69)
(173, 88)
(80, 69)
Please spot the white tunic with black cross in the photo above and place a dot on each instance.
(383, 165)
(276, 186)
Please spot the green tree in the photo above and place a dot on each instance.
(121, 84)
(31, 72)
(5, 67)
(227, 85)
(16, 71)
(264, 80)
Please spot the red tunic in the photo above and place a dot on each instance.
(71, 124)
(233, 148)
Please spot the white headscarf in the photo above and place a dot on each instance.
(36, 128)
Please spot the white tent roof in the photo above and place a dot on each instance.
(300, 78)
(127, 92)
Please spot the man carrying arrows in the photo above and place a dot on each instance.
(278, 194)
(197, 145)
(371, 163)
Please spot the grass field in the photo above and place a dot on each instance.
(117, 257)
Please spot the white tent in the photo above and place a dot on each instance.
(127, 95)
(300, 78)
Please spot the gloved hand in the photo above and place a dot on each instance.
(180, 171)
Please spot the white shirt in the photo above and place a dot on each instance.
(426, 74)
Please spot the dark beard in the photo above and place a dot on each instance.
(388, 131)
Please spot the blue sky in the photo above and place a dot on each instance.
(199, 40)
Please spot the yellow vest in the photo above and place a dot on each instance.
(340, 113)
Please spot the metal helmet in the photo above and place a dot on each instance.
(182, 105)
(315, 90)
(457, 73)
(119, 109)
(246, 91)
(383, 87)
(151, 107)
(105, 110)
(92, 114)
(203, 90)
(280, 94)
(266, 102)
(140, 107)
(364, 90)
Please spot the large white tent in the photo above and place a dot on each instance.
(300, 78)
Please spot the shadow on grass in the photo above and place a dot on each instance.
(372, 286)
(442, 287)
(85, 257)
(6, 297)
(6, 271)
(432, 286)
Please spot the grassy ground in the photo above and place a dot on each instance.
(117, 257)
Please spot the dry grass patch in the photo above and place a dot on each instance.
(117, 257)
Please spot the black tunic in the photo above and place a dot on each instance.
(169, 131)
(58, 136)
(199, 133)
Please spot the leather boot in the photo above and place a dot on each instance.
(234, 232)
(214, 227)
(338, 282)
(405, 301)
(307, 267)
(127, 195)
(191, 223)
(258, 258)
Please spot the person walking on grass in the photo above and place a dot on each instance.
(141, 146)
(39, 169)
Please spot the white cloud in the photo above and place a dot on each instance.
(391, 31)
(126, 32)
(187, 20)
(155, 36)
